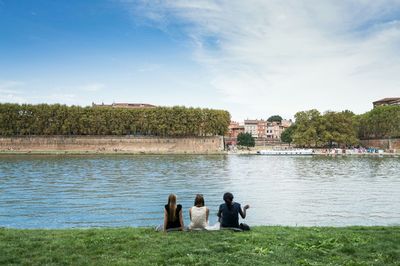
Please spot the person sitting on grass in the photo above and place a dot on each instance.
(198, 214)
(228, 213)
(173, 219)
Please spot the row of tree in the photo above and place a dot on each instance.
(56, 119)
(313, 129)
(380, 122)
(331, 128)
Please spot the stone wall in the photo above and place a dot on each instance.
(386, 144)
(111, 144)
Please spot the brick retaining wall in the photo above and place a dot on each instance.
(128, 144)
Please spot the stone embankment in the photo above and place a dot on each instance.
(112, 144)
(385, 144)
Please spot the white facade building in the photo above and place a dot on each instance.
(250, 126)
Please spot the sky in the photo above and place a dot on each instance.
(254, 58)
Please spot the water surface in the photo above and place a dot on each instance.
(87, 191)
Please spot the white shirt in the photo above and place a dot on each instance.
(199, 218)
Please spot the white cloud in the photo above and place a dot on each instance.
(11, 98)
(286, 56)
(10, 86)
(62, 97)
(92, 87)
(53, 98)
(10, 91)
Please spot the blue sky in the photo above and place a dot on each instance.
(253, 58)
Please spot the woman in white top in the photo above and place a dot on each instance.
(198, 214)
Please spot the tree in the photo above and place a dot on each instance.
(332, 128)
(246, 139)
(340, 129)
(287, 134)
(275, 118)
(56, 119)
(308, 128)
(380, 122)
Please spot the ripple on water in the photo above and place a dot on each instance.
(79, 191)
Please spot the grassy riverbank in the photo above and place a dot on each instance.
(261, 246)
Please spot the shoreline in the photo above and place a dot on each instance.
(152, 227)
(146, 145)
(251, 152)
(318, 153)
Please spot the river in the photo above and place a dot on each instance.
(107, 191)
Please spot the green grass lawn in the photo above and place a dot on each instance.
(264, 245)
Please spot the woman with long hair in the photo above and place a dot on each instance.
(173, 218)
(198, 214)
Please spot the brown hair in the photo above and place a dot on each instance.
(199, 200)
(172, 207)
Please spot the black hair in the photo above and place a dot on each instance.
(228, 198)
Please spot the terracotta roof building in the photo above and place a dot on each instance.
(235, 129)
(387, 101)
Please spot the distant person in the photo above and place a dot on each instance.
(173, 219)
(198, 214)
(229, 211)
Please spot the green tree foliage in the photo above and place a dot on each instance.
(287, 134)
(246, 139)
(56, 119)
(308, 127)
(275, 118)
(340, 128)
(380, 122)
(331, 128)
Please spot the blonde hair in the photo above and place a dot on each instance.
(172, 207)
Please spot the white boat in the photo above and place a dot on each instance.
(286, 152)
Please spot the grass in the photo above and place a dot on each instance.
(265, 245)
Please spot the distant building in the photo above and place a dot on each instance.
(251, 126)
(235, 129)
(274, 129)
(261, 129)
(387, 101)
(125, 105)
(286, 123)
(261, 126)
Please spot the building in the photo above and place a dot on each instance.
(235, 129)
(261, 126)
(274, 129)
(261, 129)
(286, 123)
(387, 101)
(125, 105)
(251, 126)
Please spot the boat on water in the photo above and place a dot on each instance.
(286, 152)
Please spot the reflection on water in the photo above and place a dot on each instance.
(82, 191)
